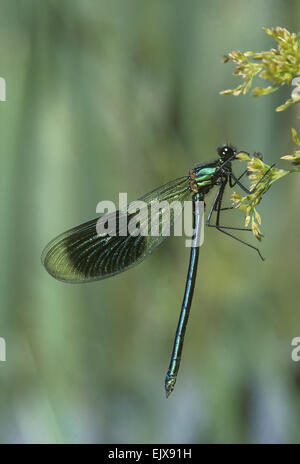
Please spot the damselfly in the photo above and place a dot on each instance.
(82, 255)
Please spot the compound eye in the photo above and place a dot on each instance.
(222, 151)
(226, 152)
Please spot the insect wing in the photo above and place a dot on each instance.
(81, 254)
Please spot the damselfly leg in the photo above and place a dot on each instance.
(216, 206)
(246, 190)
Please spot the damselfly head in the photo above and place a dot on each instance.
(226, 151)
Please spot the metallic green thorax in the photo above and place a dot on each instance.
(203, 177)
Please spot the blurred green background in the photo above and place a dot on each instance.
(121, 96)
